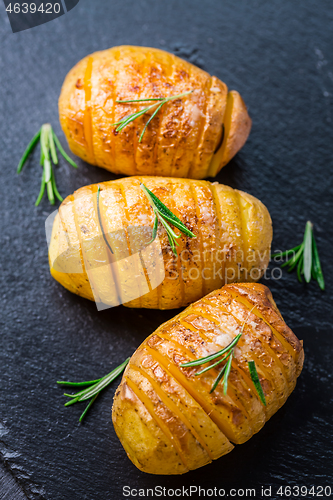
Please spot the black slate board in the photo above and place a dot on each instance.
(278, 55)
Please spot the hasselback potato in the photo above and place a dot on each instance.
(194, 136)
(166, 417)
(233, 236)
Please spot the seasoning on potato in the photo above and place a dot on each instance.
(103, 251)
(192, 136)
(165, 415)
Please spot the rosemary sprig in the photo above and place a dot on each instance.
(166, 217)
(159, 101)
(93, 389)
(225, 371)
(48, 154)
(304, 258)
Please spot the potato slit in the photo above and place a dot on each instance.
(179, 265)
(245, 376)
(235, 362)
(255, 355)
(94, 288)
(172, 406)
(84, 293)
(197, 211)
(206, 89)
(206, 405)
(181, 380)
(113, 269)
(113, 111)
(88, 130)
(173, 173)
(218, 225)
(269, 349)
(122, 190)
(216, 161)
(242, 207)
(216, 216)
(235, 366)
(255, 311)
(148, 405)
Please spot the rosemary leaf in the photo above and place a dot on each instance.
(256, 381)
(127, 120)
(293, 261)
(52, 147)
(77, 384)
(218, 378)
(49, 190)
(62, 151)
(28, 150)
(307, 252)
(150, 119)
(317, 265)
(42, 190)
(226, 374)
(44, 142)
(41, 159)
(100, 221)
(69, 403)
(300, 269)
(142, 100)
(89, 405)
(172, 242)
(165, 213)
(155, 227)
(286, 253)
(55, 189)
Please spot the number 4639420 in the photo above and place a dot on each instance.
(31, 8)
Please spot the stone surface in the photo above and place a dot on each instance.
(278, 55)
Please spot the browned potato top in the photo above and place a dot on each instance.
(166, 417)
(194, 136)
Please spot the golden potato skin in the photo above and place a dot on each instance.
(193, 137)
(233, 236)
(165, 416)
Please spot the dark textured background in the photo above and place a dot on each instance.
(278, 55)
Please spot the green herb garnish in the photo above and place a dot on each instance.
(256, 381)
(165, 216)
(93, 389)
(304, 258)
(160, 101)
(225, 371)
(48, 154)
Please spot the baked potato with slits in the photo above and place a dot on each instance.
(233, 235)
(165, 416)
(194, 136)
